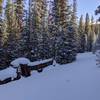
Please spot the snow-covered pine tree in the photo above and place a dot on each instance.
(52, 28)
(96, 35)
(19, 11)
(9, 29)
(74, 21)
(96, 28)
(44, 43)
(59, 12)
(97, 44)
(82, 41)
(33, 29)
(92, 34)
(71, 40)
(65, 33)
(19, 14)
(2, 27)
(87, 32)
(23, 27)
(38, 30)
(97, 50)
(1, 33)
(12, 44)
(96, 31)
(71, 35)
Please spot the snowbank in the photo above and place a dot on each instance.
(19, 61)
(79, 80)
(9, 72)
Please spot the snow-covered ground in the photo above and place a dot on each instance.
(77, 81)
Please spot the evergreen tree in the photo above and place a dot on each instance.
(1, 24)
(74, 22)
(92, 35)
(96, 36)
(23, 37)
(96, 28)
(34, 28)
(82, 40)
(22, 27)
(44, 46)
(65, 33)
(87, 32)
(12, 44)
(38, 30)
(97, 11)
(52, 28)
(19, 14)
(2, 58)
(1, 1)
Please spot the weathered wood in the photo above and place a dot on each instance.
(5, 81)
(25, 70)
(1, 82)
(41, 66)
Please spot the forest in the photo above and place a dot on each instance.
(49, 49)
(43, 29)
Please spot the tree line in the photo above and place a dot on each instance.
(42, 29)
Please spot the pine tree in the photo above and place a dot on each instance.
(82, 41)
(34, 15)
(65, 33)
(59, 12)
(2, 27)
(52, 28)
(97, 11)
(1, 23)
(44, 47)
(96, 36)
(25, 36)
(12, 44)
(96, 28)
(22, 28)
(1, 1)
(19, 14)
(87, 32)
(92, 34)
(74, 21)
(74, 17)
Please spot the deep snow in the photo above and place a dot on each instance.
(18, 61)
(9, 72)
(77, 81)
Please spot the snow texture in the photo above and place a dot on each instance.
(76, 81)
(39, 62)
(19, 61)
(7, 73)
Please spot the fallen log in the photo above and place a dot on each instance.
(5, 81)
(41, 66)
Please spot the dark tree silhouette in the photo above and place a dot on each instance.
(97, 11)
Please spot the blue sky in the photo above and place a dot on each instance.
(85, 6)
